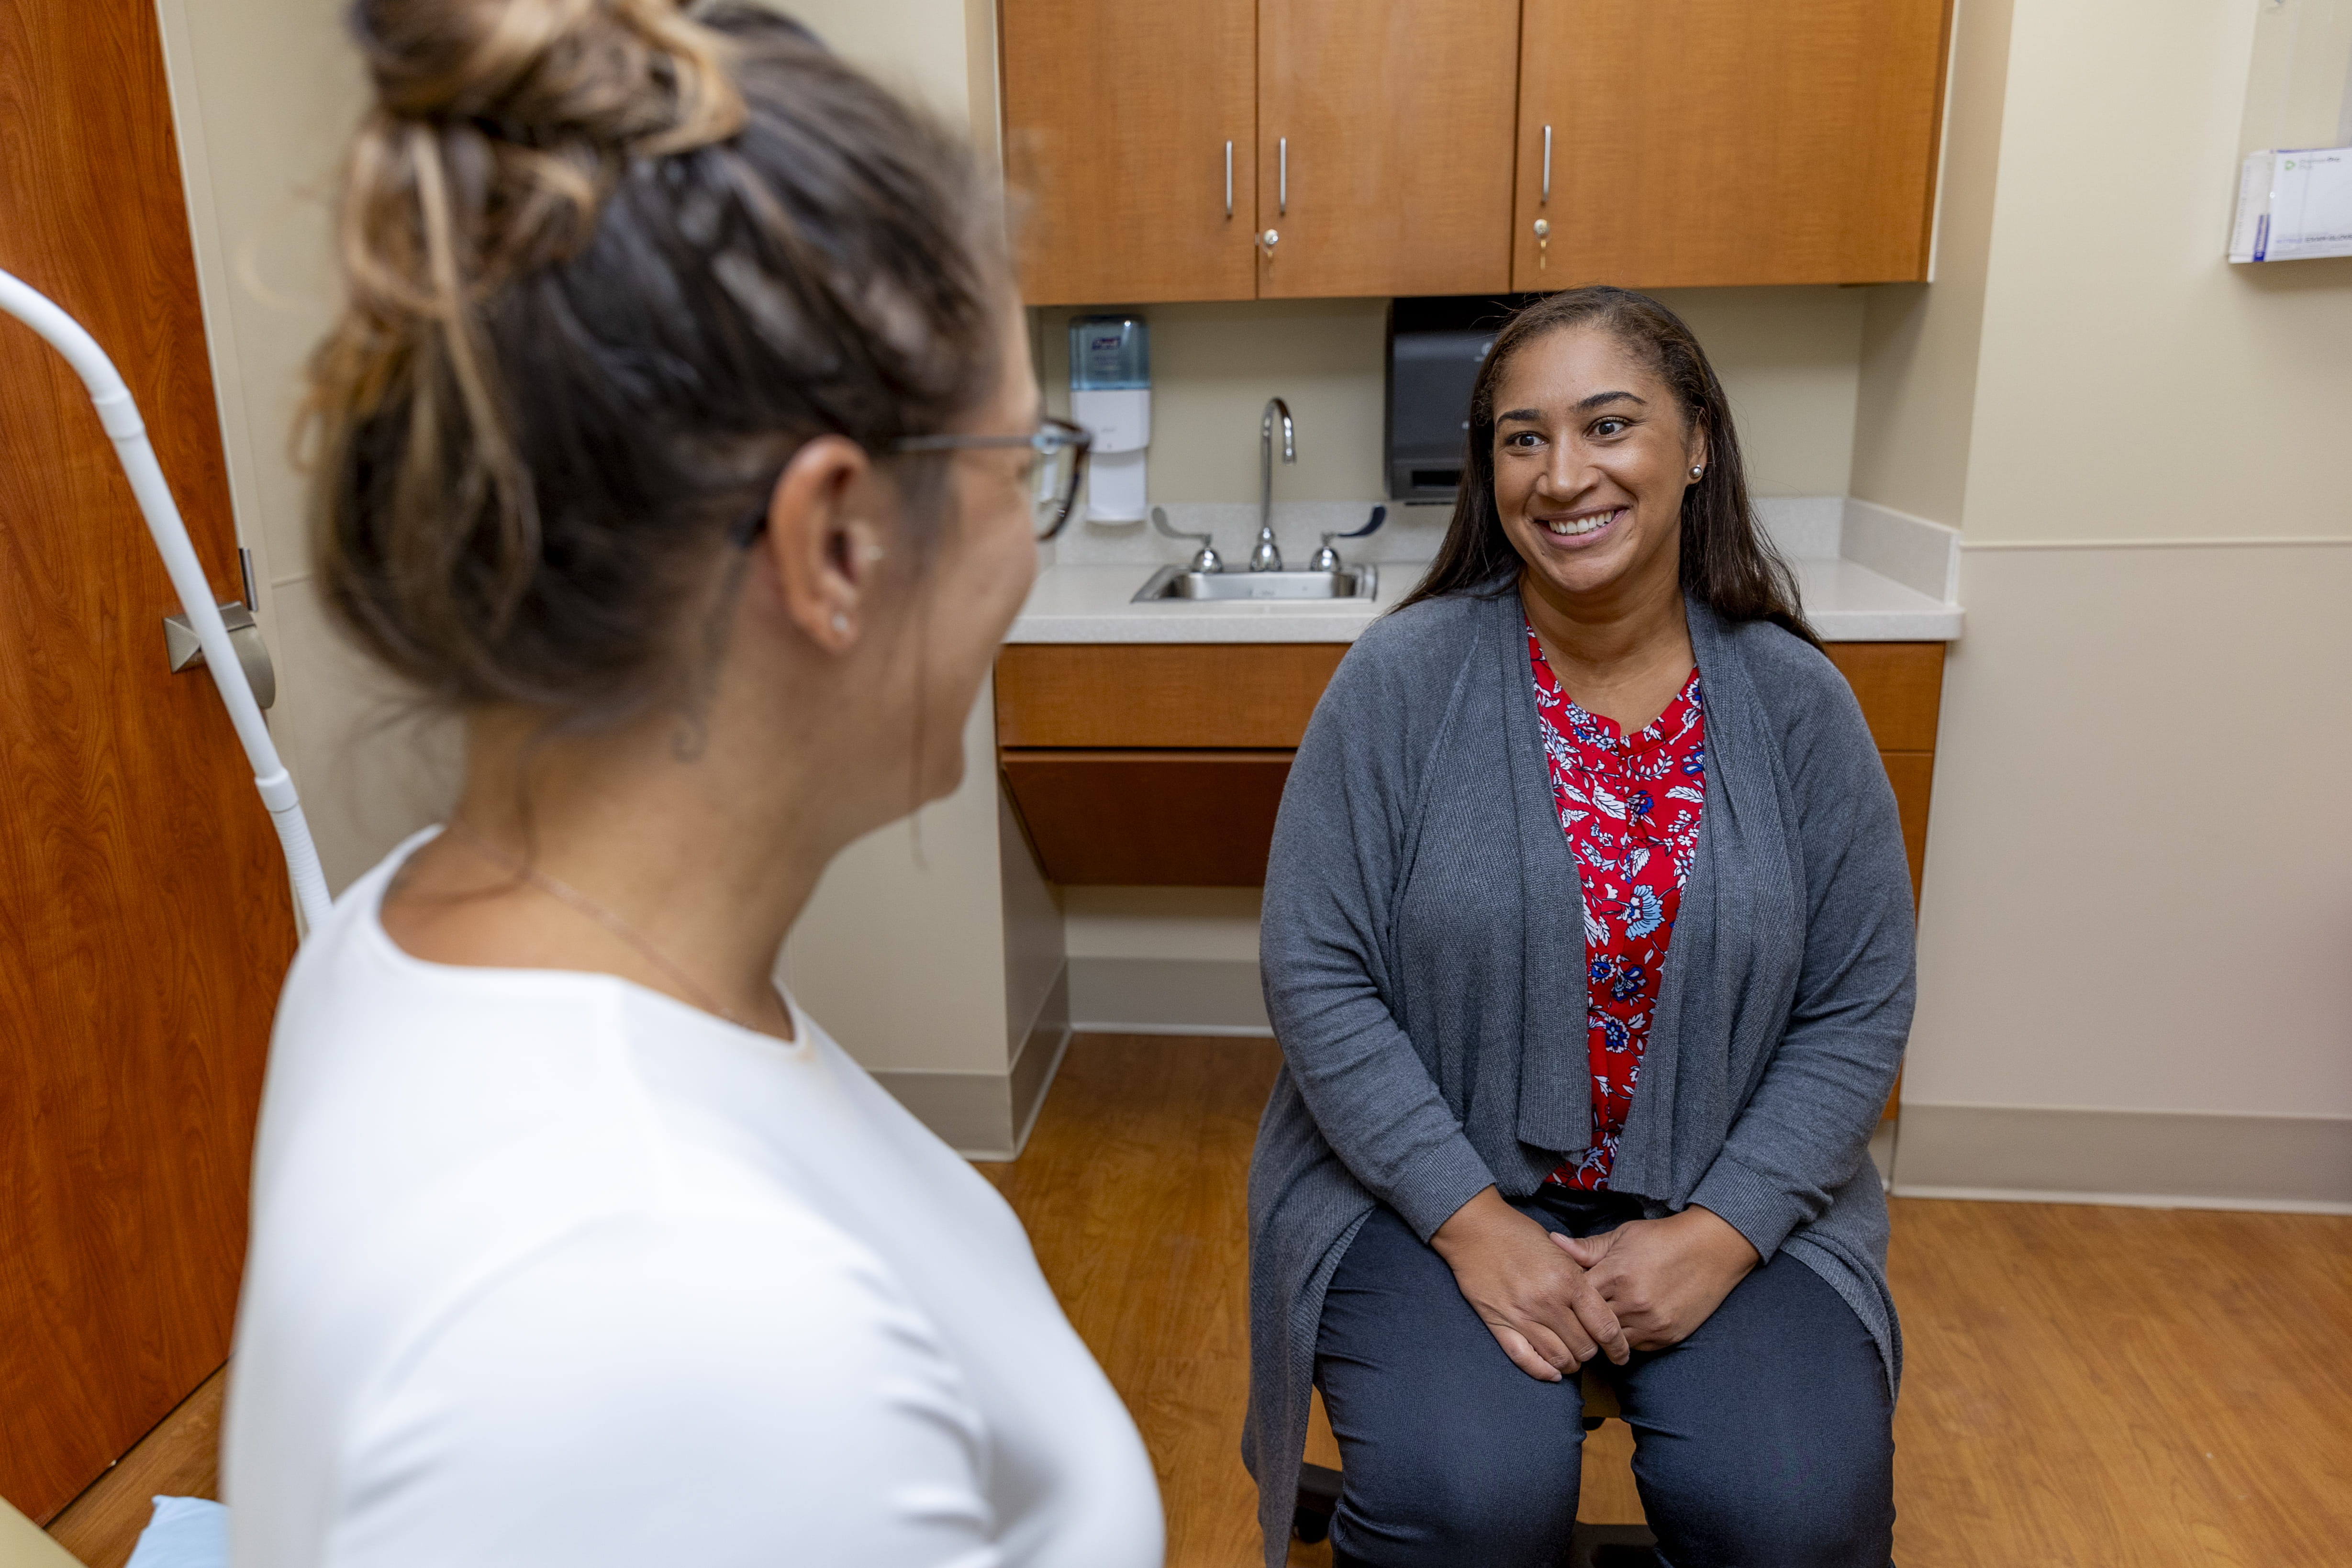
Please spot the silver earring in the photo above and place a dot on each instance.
(841, 623)
(1697, 469)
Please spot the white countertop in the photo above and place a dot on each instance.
(1846, 601)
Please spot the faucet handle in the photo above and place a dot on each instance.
(1328, 559)
(1206, 558)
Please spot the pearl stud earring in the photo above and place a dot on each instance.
(1697, 469)
(841, 623)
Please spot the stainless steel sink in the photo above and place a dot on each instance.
(1176, 582)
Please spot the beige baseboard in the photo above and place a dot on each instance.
(1167, 996)
(988, 1115)
(24, 1544)
(2173, 1159)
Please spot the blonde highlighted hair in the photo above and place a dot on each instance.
(607, 264)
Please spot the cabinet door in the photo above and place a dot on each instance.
(1728, 142)
(1384, 146)
(1129, 131)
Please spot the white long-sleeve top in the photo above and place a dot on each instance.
(547, 1268)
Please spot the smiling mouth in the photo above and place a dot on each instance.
(1577, 527)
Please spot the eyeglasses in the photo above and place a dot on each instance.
(1052, 478)
(1061, 461)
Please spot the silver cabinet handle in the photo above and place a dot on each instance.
(1543, 200)
(1269, 240)
(1282, 176)
(1229, 179)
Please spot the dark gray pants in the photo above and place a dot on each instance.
(1764, 1440)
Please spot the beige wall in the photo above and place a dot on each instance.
(1789, 359)
(1918, 369)
(265, 95)
(901, 953)
(2132, 383)
(2135, 888)
(2138, 884)
(940, 53)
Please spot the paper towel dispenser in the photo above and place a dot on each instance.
(1435, 347)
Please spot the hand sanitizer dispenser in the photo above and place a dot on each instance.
(1110, 394)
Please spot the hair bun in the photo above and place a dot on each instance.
(625, 77)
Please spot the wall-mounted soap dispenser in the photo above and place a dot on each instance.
(1110, 394)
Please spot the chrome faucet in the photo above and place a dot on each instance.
(1267, 556)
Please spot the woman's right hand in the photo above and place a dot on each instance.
(1538, 1301)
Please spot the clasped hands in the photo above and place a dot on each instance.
(1555, 1302)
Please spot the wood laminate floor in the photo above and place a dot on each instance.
(180, 1457)
(2095, 1386)
(2086, 1387)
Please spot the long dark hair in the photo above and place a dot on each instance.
(1727, 560)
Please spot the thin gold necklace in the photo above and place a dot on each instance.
(565, 892)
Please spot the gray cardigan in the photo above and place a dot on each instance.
(1422, 952)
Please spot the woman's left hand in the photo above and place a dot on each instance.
(1665, 1276)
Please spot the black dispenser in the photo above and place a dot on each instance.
(1435, 347)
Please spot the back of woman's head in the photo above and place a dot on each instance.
(608, 265)
(1726, 561)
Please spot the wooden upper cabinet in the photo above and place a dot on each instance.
(1117, 120)
(1728, 142)
(1395, 123)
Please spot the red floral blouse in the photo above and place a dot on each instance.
(1630, 805)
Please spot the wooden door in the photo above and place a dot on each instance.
(1394, 123)
(1127, 136)
(1728, 142)
(144, 918)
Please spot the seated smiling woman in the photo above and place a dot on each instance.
(1588, 941)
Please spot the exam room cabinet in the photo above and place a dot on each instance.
(1171, 150)
(1676, 143)
(1224, 150)
(1161, 764)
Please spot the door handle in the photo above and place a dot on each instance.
(180, 647)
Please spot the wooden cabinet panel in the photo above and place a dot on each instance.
(1117, 118)
(1149, 818)
(1900, 686)
(1161, 694)
(1912, 773)
(1728, 141)
(1396, 120)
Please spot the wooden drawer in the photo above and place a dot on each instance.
(1111, 749)
(1900, 686)
(1149, 818)
(1160, 694)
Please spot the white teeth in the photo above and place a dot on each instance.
(1570, 528)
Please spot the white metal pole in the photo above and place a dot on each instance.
(120, 416)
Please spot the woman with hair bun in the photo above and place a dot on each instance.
(678, 434)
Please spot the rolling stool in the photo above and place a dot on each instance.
(1590, 1546)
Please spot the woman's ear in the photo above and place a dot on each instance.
(824, 540)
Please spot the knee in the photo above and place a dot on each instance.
(1785, 1509)
(1454, 1503)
